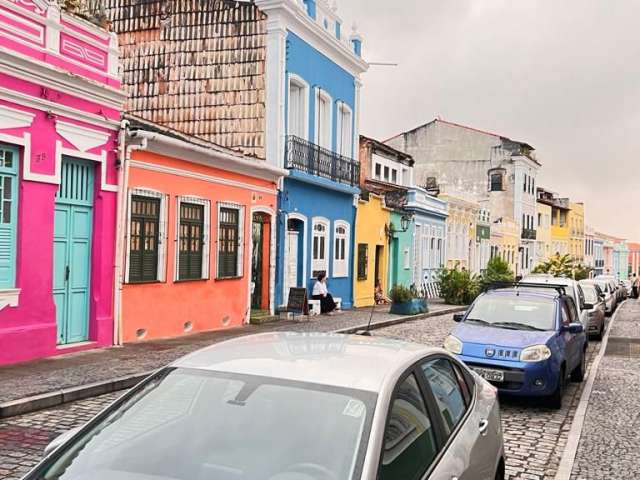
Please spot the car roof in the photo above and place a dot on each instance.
(546, 278)
(348, 361)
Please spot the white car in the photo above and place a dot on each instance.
(574, 290)
(615, 287)
(609, 294)
(294, 406)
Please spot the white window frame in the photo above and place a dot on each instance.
(161, 272)
(241, 221)
(341, 267)
(318, 265)
(343, 134)
(302, 124)
(206, 247)
(321, 95)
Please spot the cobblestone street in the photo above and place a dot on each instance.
(534, 436)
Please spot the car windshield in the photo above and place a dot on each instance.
(514, 312)
(189, 424)
(590, 294)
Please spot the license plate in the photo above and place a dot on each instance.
(490, 375)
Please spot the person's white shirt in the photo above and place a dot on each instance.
(320, 288)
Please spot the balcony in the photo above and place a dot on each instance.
(313, 159)
(528, 234)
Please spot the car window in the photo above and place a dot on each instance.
(571, 308)
(566, 317)
(513, 311)
(447, 392)
(465, 385)
(409, 439)
(590, 294)
(580, 296)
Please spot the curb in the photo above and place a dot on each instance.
(72, 394)
(565, 468)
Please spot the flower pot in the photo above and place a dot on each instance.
(411, 307)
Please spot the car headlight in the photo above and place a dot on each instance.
(453, 344)
(536, 353)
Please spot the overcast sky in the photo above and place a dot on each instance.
(561, 75)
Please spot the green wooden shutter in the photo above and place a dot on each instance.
(8, 215)
(143, 241)
(190, 241)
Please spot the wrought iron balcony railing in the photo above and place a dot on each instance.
(316, 160)
(528, 234)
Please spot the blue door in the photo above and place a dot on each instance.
(72, 250)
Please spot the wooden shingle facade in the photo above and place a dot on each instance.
(196, 66)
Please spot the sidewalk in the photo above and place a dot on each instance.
(78, 370)
(609, 446)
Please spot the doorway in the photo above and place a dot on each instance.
(260, 235)
(293, 267)
(378, 268)
(73, 228)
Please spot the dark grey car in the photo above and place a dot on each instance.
(595, 304)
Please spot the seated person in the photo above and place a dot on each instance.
(320, 292)
(379, 295)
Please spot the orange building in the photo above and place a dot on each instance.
(196, 236)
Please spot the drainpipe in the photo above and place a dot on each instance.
(123, 181)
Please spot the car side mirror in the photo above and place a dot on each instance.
(60, 440)
(458, 317)
(574, 328)
(588, 306)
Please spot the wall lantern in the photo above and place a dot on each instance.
(405, 221)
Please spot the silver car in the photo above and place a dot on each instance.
(596, 307)
(294, 406)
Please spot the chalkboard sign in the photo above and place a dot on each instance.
(298, 301)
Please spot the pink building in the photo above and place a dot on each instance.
(60, 106)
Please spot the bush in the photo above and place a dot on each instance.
(498, 270)
(400, 294)
(458, 287)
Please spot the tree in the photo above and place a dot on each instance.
(563, 266)
(458, 287)
(498, 270)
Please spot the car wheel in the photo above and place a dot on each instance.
(579, 372)
(555, 401)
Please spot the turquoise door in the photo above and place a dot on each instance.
(72, 250)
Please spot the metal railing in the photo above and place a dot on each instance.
(528, 234)
(316, 160)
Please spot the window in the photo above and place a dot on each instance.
(8, 215)
(363, 261)
(386, 174)
(526, 183)
(323, 119)
(447, 392)
(496, 182)
(144, 238)
(378, 171)
(341, 249)
(394, 175)
(563, 218)
(193, 241)
(230, 240)
(409, 439)
(345, 130)
(298, 108)
(406, 255)
(320, 245)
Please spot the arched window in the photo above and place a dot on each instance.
(341, 249)
(320, 246)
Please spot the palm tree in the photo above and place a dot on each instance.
(558, 266)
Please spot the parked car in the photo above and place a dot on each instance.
(596, 299)
(627, 286)
(614, 286)
(525, 341)
(573, 289)
(285, 406)
(609, 294)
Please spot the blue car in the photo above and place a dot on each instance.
(527, 340)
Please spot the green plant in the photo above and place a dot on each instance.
(563, 266)
(498, 270)
(400, 294)
(581, 272)
(458, 287)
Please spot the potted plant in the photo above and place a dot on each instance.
(404, 301)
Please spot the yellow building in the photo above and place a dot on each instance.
(543, 233)
(505, 238)
(560, 231)
(576, 226)
(372, 249)
(461, 231)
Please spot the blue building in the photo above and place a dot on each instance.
(429, 235)
(312, 91)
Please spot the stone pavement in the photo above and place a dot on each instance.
(609, 446)
(76, 369)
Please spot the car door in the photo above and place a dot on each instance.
(569, 316)
(411, 442)
(468, 425)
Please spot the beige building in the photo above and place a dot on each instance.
(461, 231)
(576, 229)
(505, 241)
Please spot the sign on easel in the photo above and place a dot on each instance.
(298, 302)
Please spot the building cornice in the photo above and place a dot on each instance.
(288, 15)
(26, 68)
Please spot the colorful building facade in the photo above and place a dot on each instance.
(461, 230)
(543, 234)
(505, 236)
(60, 108)
(560, 229)
(634, 258)
(312, 104)
(199, 224)
(381, 244)
(577, 237)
